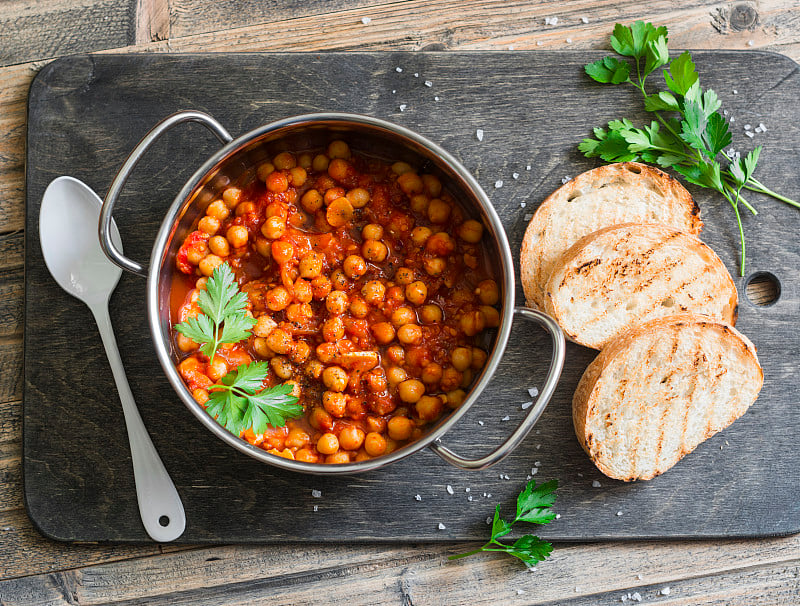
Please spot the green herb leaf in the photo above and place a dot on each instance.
(656, 54)
(238, 405)
(681, 73)
(693, 126)
(716, 136)
(663, 101)
(533, 506)
(632, 41)
(609, 70)
(224, 318)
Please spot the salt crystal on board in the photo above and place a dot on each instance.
(479, 134)
(584, 19)
(596, 484)
(498, 184)
(515, 175)
(449, 489)
(417, 497)
(505, 418)
(398, 69)
(366, 20)
(533, 392)
(442, 526)
(316, 493)
(428, 83)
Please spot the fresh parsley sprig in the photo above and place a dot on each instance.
(534, 505)
(224, 318)
(689, 143)
(237, 403)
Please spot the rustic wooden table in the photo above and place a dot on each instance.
(34, 570)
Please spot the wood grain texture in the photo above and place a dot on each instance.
(509, 96)
(151, 21)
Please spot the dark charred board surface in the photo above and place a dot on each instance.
(87, 112)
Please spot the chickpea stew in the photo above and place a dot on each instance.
(371, 296)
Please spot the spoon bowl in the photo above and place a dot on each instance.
(71, 248)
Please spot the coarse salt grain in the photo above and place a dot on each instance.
(554, 21)
(480, 423)
(750, 43)
(733, 119)
(526, 405)
(584, 20)
(416, 74)
(479, 134)
(510, 47)
(488, 519)
(758, 129)
(428, 83)
(534, 470)
(316, 493)
(547, 20)
(636, 597)
(523, 204)
(735, 92)
(436, 98)
(558, 516)
(449, 489)
(665, 591)
(619, 513)
(505, 418)
(527, 167)
(442, 526)
(750, 134)
(366, 20)
(469, 498)
(564, 180)
(520, 591)
(533, 391)
(316, 507)
(639, 576)
(538, 446)
(532, 569)
(538, 43)
(398, 69)
(747, 127)
(417, 497)
(498, 184)
(515, 175)
(538, 464)
(467, 489)
(403, 107)
(568, 40)
(596, 484)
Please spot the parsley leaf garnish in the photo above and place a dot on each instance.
(689, 143)
(224, 318)
(534, 505)
(237, 403)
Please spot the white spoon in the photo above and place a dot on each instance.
(71, 248)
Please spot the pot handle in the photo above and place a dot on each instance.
(112, 252)
(553, 374)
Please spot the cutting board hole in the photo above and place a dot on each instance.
(763, 289)
(164, 521)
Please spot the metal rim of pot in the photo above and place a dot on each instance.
(160, 261)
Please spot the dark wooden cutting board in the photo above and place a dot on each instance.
(87, 112)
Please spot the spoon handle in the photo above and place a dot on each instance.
(159, 503)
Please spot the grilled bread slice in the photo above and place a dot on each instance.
(628, 192)
(623, 275)
(655, 393)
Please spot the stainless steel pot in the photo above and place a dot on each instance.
(367, 135)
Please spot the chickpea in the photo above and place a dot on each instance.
(395, 375)
(410, 183)
(400, 168)
(335, 378)
(185, 343)
(339, 212)
(326, 352)
(320, 163)
(262, 349)
(358, 307)
(429, 408)
(201, 283)
(298, 176)
(373, 292)
(400, 428)
(430, 314)
(277, 182)
(470, 231)
(374, 444)
(218, 210)
(311, 265)
(302, 291)
(217, 369)
(410, 390)
(284, 161)
(434, 266)
(311, 201)
(359, 198)
(264, 325)
(456, 398)
(472, 322)
(231, 196)
(402, 316)
(416, 292)
(304, 160)
(219, 246)
(376, 380)
(487, 292)
(281, 367)
(409, 334)
(432, 185)
(332, 193)
(314, 369)
(372, 231)
(264, 170)
(200, 395)
(277, 298)
(478, 358)
(492, 316)
(279, 341)
(404, 275)
(237, 235)
(334, 403)
(328, 444)
(338, 458)
(400, 224)
(466, 378)
(461, 357)
(395, 296)
(281, 251)
(299, 312)
(420, 235)
(451, 379)
(339, 280)
(209, 264)
(209, 225)
(419, 203)
(336, 302)
(244, 208)
(384, 332)
(333, 329)
(354, 266)
(338, 149)
(396, 354)
(273, 228)
(306, 456)
(432, 373)
(351, 438)
(320, 287)
(197, 253)
(374, 250)
(297, 438)
(339, 169)
(440, 244)
(438, 211)
(301, 352)
(263, 247)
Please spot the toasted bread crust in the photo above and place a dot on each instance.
(658, 391)
(622, 275)
(608, 195)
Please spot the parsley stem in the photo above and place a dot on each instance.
(759, 187)
(739, 222)
(469, 553)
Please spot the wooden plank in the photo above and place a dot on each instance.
(587, 574)
(42, 30)
(151, 21)
(10, 456)
(11, 368)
